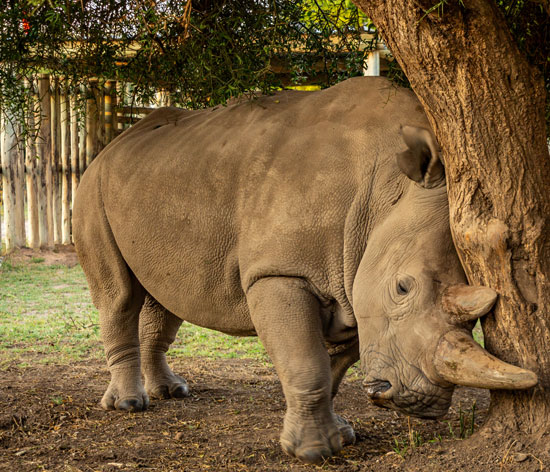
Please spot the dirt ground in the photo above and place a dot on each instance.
(50, 420)
(61, 255)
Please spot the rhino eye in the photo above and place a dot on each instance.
(403, 287)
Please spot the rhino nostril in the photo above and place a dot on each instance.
(376, 388)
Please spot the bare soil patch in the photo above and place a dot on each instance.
(50, 420)
(60, 255)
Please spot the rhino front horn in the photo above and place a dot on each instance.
(461, 361)
(467, 303)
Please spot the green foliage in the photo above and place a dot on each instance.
(342, 14)
(206, 51)
(202, 51)
(529, 23)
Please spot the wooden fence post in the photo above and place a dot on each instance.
(82, 135)
(13, 185)
(91, 123)
(31, 176)
(9, 170)
(100, 129)
(45, 164)
(74, 145)
(130, 102)
(40, 167)
(115, 97)
(107, 93)
(56, 181)
(164, 98)
(1, 187)
(20, 230)
(121, 100)
(65, 167)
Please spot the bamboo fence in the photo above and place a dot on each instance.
(40, 173)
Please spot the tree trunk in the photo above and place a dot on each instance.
(485, 103)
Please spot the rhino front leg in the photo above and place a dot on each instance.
(286, 316)
(342, 357)
(157, 330)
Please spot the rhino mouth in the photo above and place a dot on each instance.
(378, 391)
(382, 394)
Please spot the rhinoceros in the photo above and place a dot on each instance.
(316, 221)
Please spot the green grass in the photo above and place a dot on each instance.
(464, 426)
(47, 316)
(477, 333)
(45, 310)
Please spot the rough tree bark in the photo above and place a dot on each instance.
(486, 105)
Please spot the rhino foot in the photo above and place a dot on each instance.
(171, 386)
(120, 396)
(348, 435)
(311, 441)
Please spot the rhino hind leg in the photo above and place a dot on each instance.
(341, 359)
(287, 318)
(118, 297)
(157, 330)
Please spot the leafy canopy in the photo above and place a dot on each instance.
(202, 51)
(529, 23)
(206, 51)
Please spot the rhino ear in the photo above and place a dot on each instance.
(420, 162)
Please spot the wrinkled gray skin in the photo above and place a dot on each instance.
(287, 217)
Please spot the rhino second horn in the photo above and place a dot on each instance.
(461, 361)
(467, 303)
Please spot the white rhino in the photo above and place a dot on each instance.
(288, 217)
